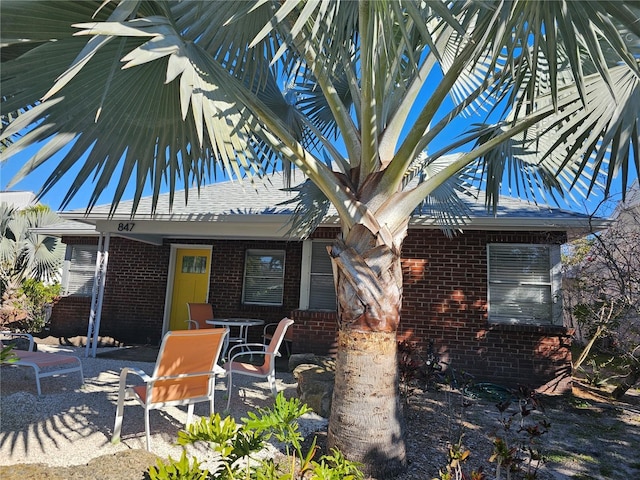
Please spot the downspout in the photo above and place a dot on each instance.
(97, 294)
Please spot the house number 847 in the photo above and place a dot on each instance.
(125, 227)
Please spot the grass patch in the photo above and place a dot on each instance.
(579, 403)
(559, 456)
(606, 471)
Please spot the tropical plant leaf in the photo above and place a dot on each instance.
(179, 93)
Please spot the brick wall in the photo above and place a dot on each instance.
(227, 274)
(137, 273)
(444, 300)
(133, 305)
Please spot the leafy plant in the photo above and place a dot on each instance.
(335, 467)
(23, 253)
(232, 441)
(7, 355)
(454, 471)
(518, 450)
(594, 374)
(34, 298)
(417, 369)
(182, 469)
(237, 443)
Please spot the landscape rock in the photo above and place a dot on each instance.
(315, 385)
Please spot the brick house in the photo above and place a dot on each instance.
(488, 297)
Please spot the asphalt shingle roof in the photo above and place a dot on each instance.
(246, 198)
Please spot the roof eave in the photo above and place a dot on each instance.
(239, 225)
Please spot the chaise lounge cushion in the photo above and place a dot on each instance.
(44, 364)
(45, 360)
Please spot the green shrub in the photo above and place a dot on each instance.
(7, 355)
(237, 443)
(34, 299)
(182, 469)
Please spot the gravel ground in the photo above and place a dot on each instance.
(588, 436)
(71, 425)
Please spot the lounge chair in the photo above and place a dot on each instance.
(267, 369)
(184, 375)
(44, 364)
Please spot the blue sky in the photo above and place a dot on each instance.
(35, 180)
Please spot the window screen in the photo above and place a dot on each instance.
(263, 277)
(520, 283)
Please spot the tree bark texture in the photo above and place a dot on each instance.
(628, 383)
(631, 379)
(366, 422)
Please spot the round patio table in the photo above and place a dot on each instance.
(242, 324)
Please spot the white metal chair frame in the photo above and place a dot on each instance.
(148, 403)
(200, 312)
(267, 369)
(44, 364)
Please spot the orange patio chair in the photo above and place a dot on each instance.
(198, 314)
(267, 369)
(44, 364)
(269, 330)
(184, 375)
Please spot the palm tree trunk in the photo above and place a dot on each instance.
(631, 379)
(366, 422)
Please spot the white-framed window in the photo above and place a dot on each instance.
(317, 290)
(263, 277)
(79, 269)
(524, 283)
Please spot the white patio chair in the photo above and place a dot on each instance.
(267, 369)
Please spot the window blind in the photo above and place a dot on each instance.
(264, 277)
(520, 286)
(322, 295)
(80, 265)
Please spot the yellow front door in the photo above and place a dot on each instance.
(190, 283)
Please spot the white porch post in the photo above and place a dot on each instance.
(99, 280)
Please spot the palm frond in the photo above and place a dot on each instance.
(516, 163)
(445, 203)
(24, 253)
(311, 207)
(536, 38)
(141, 116)
(225, 29)
(313, 103)
(571, 150)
